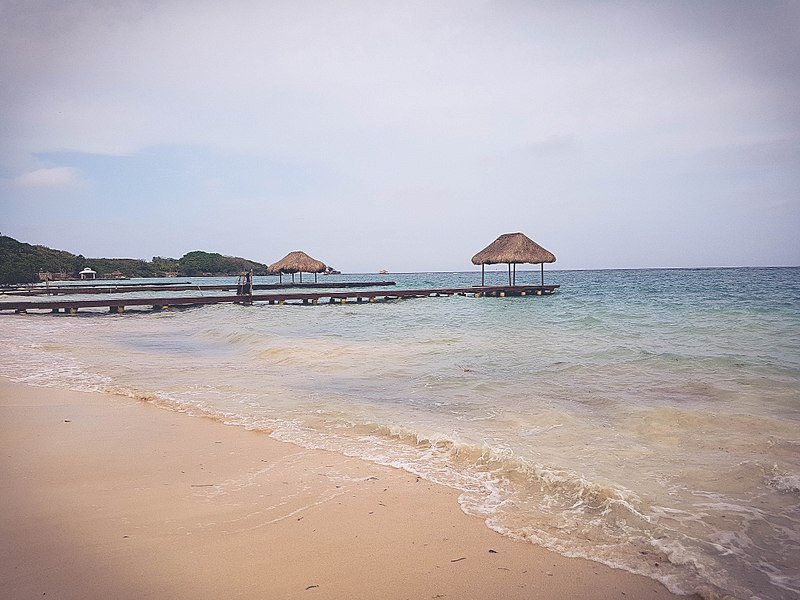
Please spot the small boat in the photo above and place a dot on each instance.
(383, 272)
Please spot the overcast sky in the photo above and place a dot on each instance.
(404, 135)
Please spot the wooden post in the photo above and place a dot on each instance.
(542, 274)
(483, 271)
(515, 274)
(509, 273)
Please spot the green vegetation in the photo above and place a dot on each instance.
(22, 263)
(198, 263)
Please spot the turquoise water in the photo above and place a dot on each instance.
(647, 419)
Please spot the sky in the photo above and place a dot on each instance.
(404, 135)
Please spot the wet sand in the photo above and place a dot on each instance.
(107, 497)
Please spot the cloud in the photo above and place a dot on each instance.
(52, 178)
(387, 119)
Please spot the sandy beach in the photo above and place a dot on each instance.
(107, 497)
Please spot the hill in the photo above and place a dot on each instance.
(22, 263)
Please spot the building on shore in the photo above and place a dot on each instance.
(88, 273)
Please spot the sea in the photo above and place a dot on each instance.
(645, 419)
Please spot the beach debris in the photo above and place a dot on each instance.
(459, 559)
(311, 587)
(203, 484)
(67, 421)
(492, 551)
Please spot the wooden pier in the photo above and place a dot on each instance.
(118, 305)
(180, 287)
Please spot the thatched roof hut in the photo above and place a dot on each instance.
(512, 248)
(297, 262)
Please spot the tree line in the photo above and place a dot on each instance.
(22, 263)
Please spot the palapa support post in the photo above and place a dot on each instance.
(542, 274)
(483, 275)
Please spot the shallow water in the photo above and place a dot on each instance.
(648, 419)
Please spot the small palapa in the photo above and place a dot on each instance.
(297, 262)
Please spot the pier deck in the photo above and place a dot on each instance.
(333, 297)
(180, 287)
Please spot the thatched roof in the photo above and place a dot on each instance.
(513, 248)
(297, 262)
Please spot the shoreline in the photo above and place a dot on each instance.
(105, 496)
